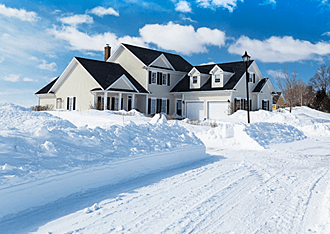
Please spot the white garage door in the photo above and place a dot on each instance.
(217, 110)
(195, 110)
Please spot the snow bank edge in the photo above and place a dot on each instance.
(21, 197)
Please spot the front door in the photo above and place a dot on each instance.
(129, 103)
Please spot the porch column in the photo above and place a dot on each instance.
(119, 101)
(258, 101)
(133, 101)
(147, 104)
(105, 97)
(95, 100)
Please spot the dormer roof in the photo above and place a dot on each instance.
(237, 68)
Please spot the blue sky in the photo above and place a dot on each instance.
(38, 39)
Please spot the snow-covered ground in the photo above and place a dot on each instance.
(271, 176)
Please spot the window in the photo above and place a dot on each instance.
(153, 77)
(153, 106)
(265, 105)
(179, 107)
(217, 78)
(252, 77)
(164, 105)
(164, 80)
(194, 79)
(71, 103)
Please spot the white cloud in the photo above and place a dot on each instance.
(2, 59)
(19, 14)
(12, 77)
(182, 39)
(77, 19)
(326, 34)
(280, 49)
(47, 66)
(101, 11)
(228, 4)
(183, 6)
(188, 19)
(268, 2)
(29, 80)
(276, 73)
(82, 41)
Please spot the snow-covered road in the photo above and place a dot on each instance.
(230, 192)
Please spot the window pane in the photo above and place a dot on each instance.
(164, 104)
(164, 79)
(194, 79)
(153, 106)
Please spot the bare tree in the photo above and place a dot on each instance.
(321, 79)
(293, 90)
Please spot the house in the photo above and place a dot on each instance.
(153, 81)
(278, 101)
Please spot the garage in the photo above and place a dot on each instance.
(217, 110)
(195, 110)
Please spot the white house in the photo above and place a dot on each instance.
(153, 81)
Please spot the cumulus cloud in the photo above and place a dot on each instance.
(182, 39)
(12, 77)
(77, 19)
(268, 2)
(82, 41)
(183, 6)
(47, 66)
(19, 14)
(276, 73)
(29, 80)
(227, 4)
(280, 49)
(101, 11)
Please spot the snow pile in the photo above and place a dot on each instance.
(35, 146)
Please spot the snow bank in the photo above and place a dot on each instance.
(36, 147)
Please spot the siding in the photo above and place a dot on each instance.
(78, 84)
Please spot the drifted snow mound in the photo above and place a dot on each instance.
(44, 158)
(273, 133)
(251, 136)
(35, 145)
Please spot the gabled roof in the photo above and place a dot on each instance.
(260, 85)
(106, 73)
(275, 98)
(46, 89)
(147, 56)
(238, 68)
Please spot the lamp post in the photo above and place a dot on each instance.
(246, 59)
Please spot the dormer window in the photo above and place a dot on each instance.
(252, 77)
(194, 79)
(217, 78)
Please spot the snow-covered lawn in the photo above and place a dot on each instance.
(271, 176)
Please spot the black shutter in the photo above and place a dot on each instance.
(149, 106)
(168, 79)
(150, 74)
(168, 106)
(158, 78)
(250, 104)
(67, 103)
(74, 103)
(108, 103)
(122, 103)
(268, 105)
(254, 78)
(159, 105)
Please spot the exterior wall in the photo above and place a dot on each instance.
(78, 84)
(160, 63)
(46, 100)
(133, 65)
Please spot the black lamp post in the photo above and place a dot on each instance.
(246, 59)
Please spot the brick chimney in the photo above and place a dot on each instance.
(107, 52)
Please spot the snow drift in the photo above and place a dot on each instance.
(39, 151)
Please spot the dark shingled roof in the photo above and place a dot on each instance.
(276, 97)
(260, 85)
(238, 68)
(147, 56)
(46, 89)
(106, 73)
